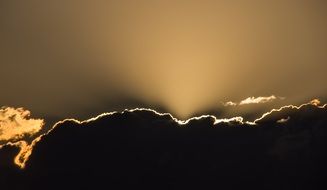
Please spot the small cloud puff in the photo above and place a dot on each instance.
(283, 120)
(315, 102)
(257, 100)
(254, 100)
(230, 103)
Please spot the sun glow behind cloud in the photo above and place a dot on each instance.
(27, 148)
(167, 53)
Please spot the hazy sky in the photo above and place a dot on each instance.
(65, 58)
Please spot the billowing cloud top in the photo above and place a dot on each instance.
(16, 124)
(144, 148)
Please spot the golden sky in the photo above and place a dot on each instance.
(62, 57)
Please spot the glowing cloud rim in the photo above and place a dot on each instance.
(26, 149)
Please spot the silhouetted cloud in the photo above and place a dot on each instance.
(277, 114)
(146, 149)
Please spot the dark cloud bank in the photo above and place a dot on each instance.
(141, 149)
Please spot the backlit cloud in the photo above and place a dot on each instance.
(254, 100)
(125, 145)
(230, 103)
(16, 124)
(257, 100)
(283, 120)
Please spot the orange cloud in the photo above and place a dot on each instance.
(24, 152)
(15, 124)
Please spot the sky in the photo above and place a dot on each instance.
(81, 58)
(161, 93)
